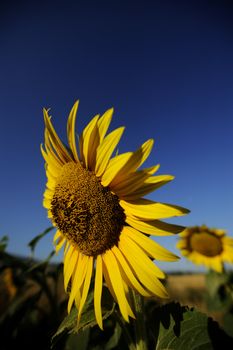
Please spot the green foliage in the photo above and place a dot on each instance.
(69, 324)
(219, 290)
(33, 313)
(30, 305)
(183, 328)
(219, 297)
(33, 243)
(3, 243)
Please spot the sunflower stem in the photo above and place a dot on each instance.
(139, 322)
(125, 331)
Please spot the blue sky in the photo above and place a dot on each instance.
(165, 67)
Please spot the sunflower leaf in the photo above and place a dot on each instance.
(69, 324)
(183, 328)
(32, 244)
(113, 341)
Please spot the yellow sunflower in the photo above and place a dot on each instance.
(209, 247)
(95, 201)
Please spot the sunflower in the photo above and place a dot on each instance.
(95, 201)
(206, 246)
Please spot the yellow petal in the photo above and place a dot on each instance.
(89, 134)
(149, 210)
(131, 182)
(59, 244)
(137, 190)
(106, 149)
(98, 291)
(86, 286)
(126, 270)
(137, 158)
(71, 131)
(108, 281)
(70, 261)
(78, 278)
(143, 267)
(154, 227)
(104, 122)
(46, 203)
(55, 140)
(48, 194)
(141, 254)
(152, 170)
(50, 150)
(152, 248)
(51, 162)
(114, 166)
(116, 281)
(57, 236)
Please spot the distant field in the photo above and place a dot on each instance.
(189, 289)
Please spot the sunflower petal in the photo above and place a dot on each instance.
(90, 133)
(117, 284)
(106, 149)
(152, 248)
(78, 278)
(150, 210)
(140, 190)
(86, 286)
(138, 158)
(142, 255)
(128, 273)
(55, 140)
(51, 162)
(71, 130)
(59, 244)
(154, 227)
(143, 267)
(114, 166)
(70, 261)
(49, 149)
(98, 291)
(104, 122)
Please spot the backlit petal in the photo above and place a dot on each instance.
(71, 131)
(106, 149)
(149, 210)
(152, 248)
(154, 227)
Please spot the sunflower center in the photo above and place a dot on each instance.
(206, 244)
(88, 214)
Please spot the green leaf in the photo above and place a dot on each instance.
(113, 341)
(183, 328)
(78, 340)
(41, 264)
(32, 244)
(69, 324)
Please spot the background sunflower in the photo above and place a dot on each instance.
(207, 246)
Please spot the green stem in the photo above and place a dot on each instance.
(125, 331)
(139, 322)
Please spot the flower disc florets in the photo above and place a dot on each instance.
(206, 243)
(87, 213)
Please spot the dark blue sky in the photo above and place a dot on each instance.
(165, 66)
